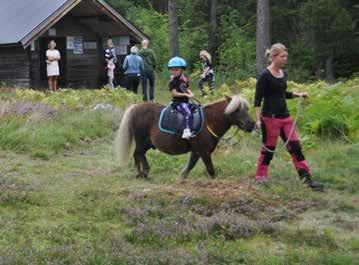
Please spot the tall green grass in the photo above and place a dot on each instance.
(44, 124)
(52, 136)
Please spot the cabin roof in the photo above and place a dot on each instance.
(23, 21)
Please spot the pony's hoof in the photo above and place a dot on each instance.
(138, 176)
(184, 175)
(212, 176)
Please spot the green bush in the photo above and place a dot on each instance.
(330, 112)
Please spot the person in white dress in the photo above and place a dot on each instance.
(53, 56)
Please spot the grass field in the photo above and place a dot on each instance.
(64, 200)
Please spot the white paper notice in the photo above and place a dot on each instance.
(78, 45)
(121, 50)
(70, 43)
(124, 40)
(91, 45)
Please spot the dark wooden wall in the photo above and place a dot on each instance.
(82, 70)
(14, 66)
(35, 81)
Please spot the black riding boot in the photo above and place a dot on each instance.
(306, 178)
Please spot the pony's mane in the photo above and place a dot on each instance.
(236, 102)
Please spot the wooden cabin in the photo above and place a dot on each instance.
(80, 29)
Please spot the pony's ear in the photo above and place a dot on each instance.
(228, 98)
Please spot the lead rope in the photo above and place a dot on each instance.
(299, 108)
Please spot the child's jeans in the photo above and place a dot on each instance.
(184, 109)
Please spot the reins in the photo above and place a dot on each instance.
(196, 100)
(211, 131)
(224, 139)
(299, 108)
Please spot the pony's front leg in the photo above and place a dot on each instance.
(190, 164)
(207, 160)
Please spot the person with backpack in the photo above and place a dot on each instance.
(149, 65)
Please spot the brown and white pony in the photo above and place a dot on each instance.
(139, 132)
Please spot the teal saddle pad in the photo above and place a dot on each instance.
(173, 122)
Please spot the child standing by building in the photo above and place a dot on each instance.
(179, 87)
(110, 72)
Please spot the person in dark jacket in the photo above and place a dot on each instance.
(133, 66)
(149, 62)
(274, 119)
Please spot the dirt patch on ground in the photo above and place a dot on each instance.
(221, 191)
(215, 189)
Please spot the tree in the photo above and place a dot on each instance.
(213, 45)
(263, 33)
(160, 5)
(173, 28)
(329, 29)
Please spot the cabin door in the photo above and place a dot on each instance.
(61, 47)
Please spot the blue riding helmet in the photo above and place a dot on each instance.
(177, 62)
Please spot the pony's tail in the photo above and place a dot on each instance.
(124, 139)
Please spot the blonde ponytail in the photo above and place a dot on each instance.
(206, 55)
(274, 50)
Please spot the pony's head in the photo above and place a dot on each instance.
(237, 112)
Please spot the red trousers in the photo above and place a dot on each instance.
(272, 128)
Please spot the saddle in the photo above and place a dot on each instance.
(173, 122)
